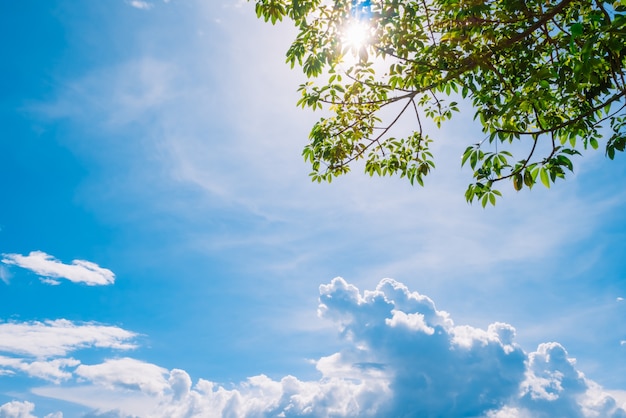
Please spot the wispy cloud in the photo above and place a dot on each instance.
(125, 92)
(53, 370)
(259, 172)
(40, 350)
(139, 4)
(4, 274)
(80, 271)
(60, 337)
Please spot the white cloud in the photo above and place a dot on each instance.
(80, 271)
(553, 387)
(126, 373)
(413, 321)
(457, 370)
(59, 337)
(139, 4)
(258, 396)
(403, 357)
(54, 370)
(4, 274)
(448, 371)
(16, 409)
(51, 282)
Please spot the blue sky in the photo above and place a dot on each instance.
(165, 254)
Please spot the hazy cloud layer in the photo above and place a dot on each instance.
(402, 357)
(80, 271)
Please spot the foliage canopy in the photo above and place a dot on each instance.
(544, 77)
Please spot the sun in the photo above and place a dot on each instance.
(356, 35)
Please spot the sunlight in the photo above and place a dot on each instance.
(356, 35)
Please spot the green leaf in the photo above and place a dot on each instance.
(518, 182)
(484, 200)
(469, 194)
(576, 30)
(610, 151)
(563, 160)
(543, 175)
(466, 154)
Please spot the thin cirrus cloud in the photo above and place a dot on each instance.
(401, 357)
(51, 269)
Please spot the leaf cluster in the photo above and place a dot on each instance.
(545, 79)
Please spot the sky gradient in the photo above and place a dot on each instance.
(164, 254)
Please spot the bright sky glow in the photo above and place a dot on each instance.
(164, 253)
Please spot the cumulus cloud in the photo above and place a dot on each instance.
(403, 357)
(553, 387)
(434, 368)
(80, 271)
(17, 409)
(258, 396)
